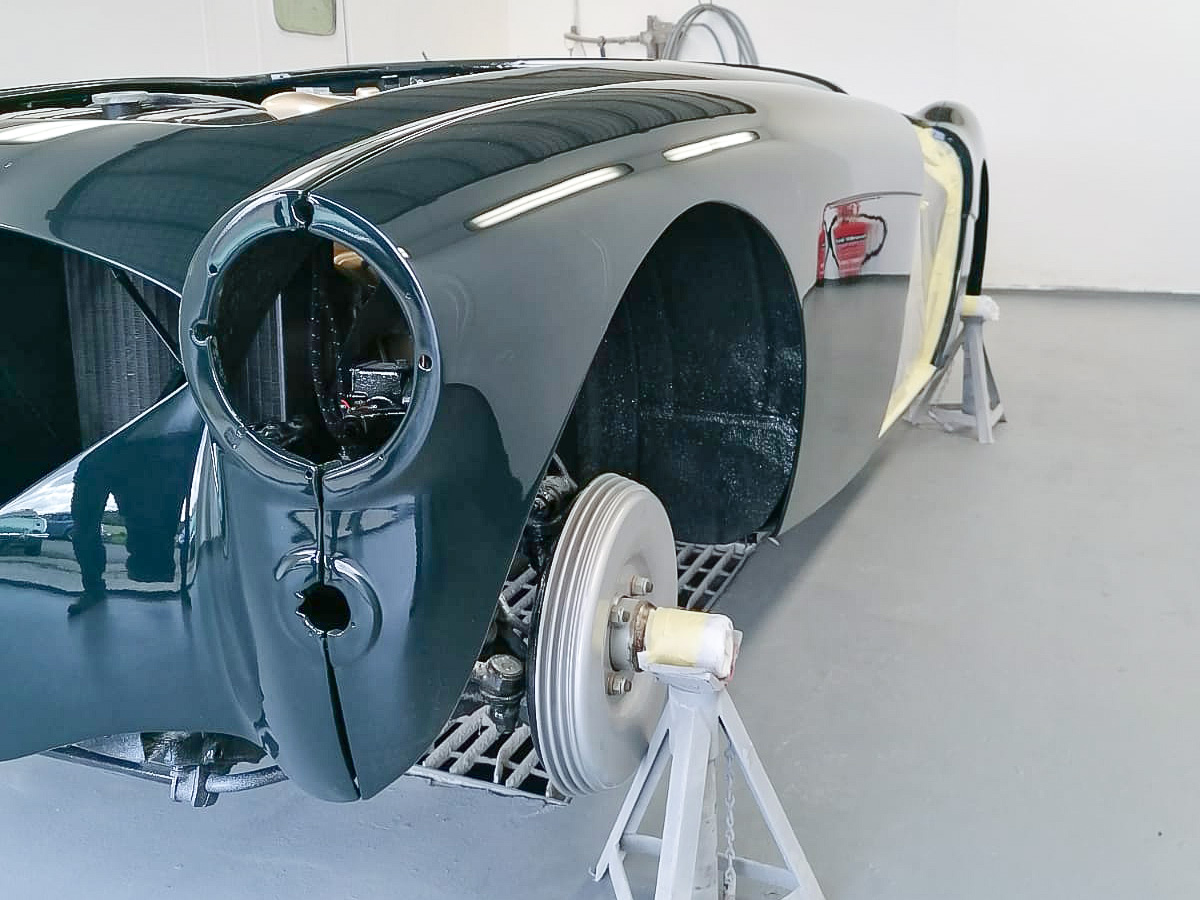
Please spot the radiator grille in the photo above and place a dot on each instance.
(257, 388)
(121, 366)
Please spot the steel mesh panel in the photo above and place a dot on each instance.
(472, 749)
(706, 570)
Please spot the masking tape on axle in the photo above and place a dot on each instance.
(680, 637)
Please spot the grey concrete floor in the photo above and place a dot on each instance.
(975, 674)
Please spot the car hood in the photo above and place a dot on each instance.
(142, 194)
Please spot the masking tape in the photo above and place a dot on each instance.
(980, 306)
(680, 637)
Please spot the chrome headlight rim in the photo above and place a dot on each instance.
(244, 226)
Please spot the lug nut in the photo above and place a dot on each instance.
(616, 684)
(640, 586)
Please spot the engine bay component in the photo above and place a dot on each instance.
(287, 104)
(149, 106)
(592, 711)
(159, 106)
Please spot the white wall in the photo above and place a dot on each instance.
(64, 40)
(1089, 108)
(389, 30)
(60, 40)
(1088, 105)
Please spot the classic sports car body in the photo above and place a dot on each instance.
(295, 368)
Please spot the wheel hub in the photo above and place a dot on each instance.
(593, 711)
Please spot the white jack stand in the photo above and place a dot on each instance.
(697, 713)
(980, 408)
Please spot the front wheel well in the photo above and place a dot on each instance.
(697, 389)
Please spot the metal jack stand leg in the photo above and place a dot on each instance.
(697, 713)
(980, 408)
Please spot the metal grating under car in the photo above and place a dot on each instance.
(705, 570)
(472, 752)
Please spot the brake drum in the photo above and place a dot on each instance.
(617, 543)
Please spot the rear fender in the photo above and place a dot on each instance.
(958, 120)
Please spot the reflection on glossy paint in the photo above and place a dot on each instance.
(536, 199)
(100, 525)
(36, 132)
(709, 145)
(850, 237)
(23, 529)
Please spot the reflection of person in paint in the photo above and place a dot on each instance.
(148, 480)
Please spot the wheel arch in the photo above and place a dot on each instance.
(697, 387)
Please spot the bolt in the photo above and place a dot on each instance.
(616, 685)
(506, 666)
(640, 586)
(620, 615)
(302, 211)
